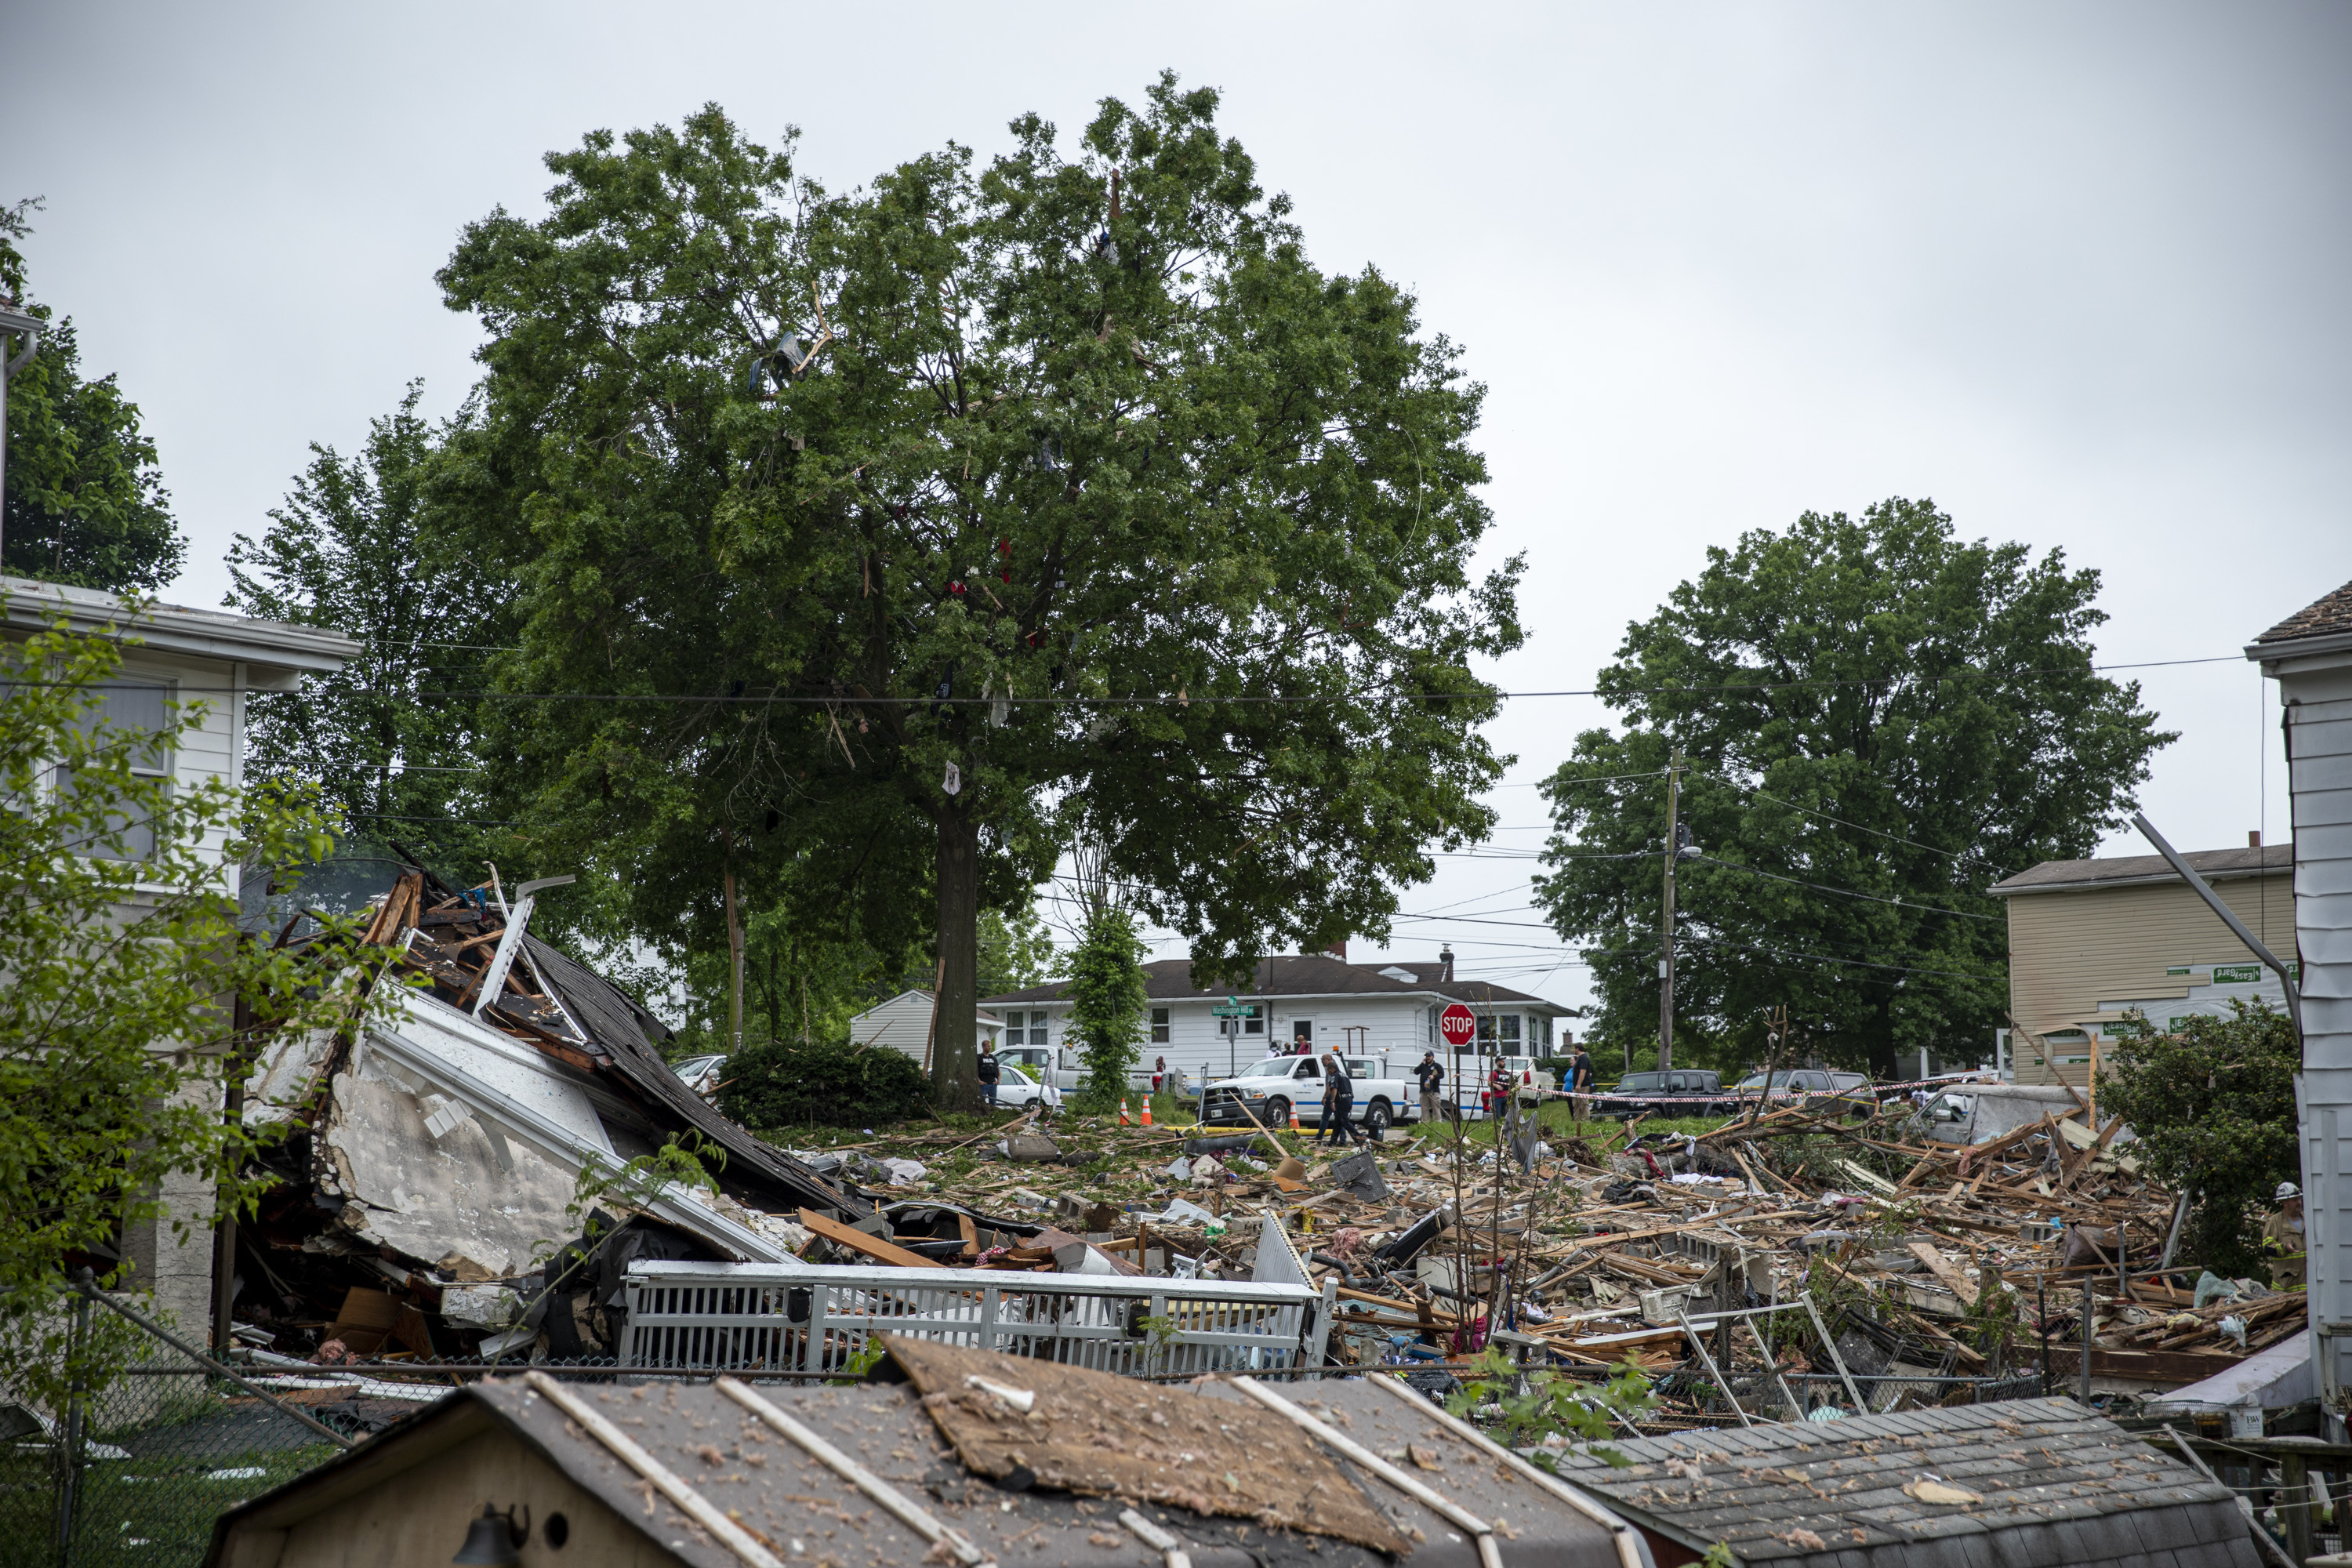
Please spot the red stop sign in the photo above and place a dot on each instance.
(1457, 1024)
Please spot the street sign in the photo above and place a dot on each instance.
(1239, 1010)
(1457, 1024)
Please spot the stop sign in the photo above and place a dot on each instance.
(1457, 1024)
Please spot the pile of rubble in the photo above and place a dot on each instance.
(455, 1185)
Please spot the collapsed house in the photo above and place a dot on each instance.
(453, 1175)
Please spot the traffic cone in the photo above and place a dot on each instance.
(1123, 1120)
(1294, 1121)
(1146, 1112)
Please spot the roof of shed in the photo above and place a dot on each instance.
(2058, 1485)
(2326, 617)
(750, 1472)
(1304, 976)
(2120, 870)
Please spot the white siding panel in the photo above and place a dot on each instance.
(2320, 776)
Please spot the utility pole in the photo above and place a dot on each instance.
(1666, 923)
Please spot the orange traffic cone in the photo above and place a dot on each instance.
(1146, 1112)
(1294, 1121)
(1123, 1120)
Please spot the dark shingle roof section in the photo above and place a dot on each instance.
(1308, 975)
(2329, 617)
(2073, 876)
(2059, 1484)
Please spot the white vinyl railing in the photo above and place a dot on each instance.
(811, 1317)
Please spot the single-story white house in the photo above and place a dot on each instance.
(904, 1024)
(1386, 1010)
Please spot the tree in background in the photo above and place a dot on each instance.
(2213, 1103)
(85, 503)
(350, 550)
(1880, 721)
(122, 955)
(1016, 951)
(897, 515)
(1106, 1003)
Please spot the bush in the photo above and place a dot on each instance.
(2214, 1109)
(797, 1083)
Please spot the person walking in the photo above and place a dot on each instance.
(1339, 1101)
(1431, 1075)
(989, 1072)
(2283, 1239)
(1580, 1081)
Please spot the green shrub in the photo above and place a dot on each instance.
(795, 1083)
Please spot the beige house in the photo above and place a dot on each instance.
(2091, 941)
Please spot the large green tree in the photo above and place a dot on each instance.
(382, 739)
(1878, 720)
(84, 500)
(904, 524)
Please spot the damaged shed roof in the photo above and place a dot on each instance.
(2016, 1483)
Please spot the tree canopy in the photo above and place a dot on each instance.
(84, 502)
(1879, 720)
(903, 529)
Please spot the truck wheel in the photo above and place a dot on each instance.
(1376, 1117)
(1277, 1115)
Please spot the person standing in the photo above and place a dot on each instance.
(1431, 1075)
(1501, 1081)
(1580, 1080)
(2283, 1239)
(989, 1072)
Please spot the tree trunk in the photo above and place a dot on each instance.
(734, 961)
(955, 1081)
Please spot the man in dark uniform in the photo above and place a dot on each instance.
(1580, 1079)
(988, 1072)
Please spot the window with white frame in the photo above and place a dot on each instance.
(1037, 1028)
(1159, 1026)
(1506, 1030)
(135, 715)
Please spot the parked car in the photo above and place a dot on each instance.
(1535, 1081)
(1278, 1085)
(1016, 1090)
(1681, 1091)
(1852, 1091)
(703, 1074)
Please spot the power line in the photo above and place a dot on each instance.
(1844, 893)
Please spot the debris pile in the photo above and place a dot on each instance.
(439, 1164)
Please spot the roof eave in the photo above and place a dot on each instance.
(2272, 655)
(2157, 879)
(33, 606)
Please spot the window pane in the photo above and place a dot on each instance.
(129, 709)
(137, 840)
(1159, 1026)
(1509, 1024)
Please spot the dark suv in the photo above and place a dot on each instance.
(1682, 1092)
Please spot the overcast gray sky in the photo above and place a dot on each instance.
(2075, 271)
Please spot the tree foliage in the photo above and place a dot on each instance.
(350, 550)
(905, 516)
(1880, 721)
(1106, 1003)
(84, 502)
(119, 937)
(2213, 1104)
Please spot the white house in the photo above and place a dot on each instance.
(904, 1024)
(182, 656)
(2309, 654)
(1359, 1009)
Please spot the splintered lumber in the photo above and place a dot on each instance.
(873, 1246)
(1944, 1270)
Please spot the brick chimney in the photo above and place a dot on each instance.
(1339, 950)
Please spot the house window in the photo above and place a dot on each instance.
(1036, 1028)
(134, 715)
(1255, 1024)
(1507, 1028)
(1159, 1026)
(1486, 1036)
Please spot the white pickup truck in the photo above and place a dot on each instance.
(1278, 1085)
